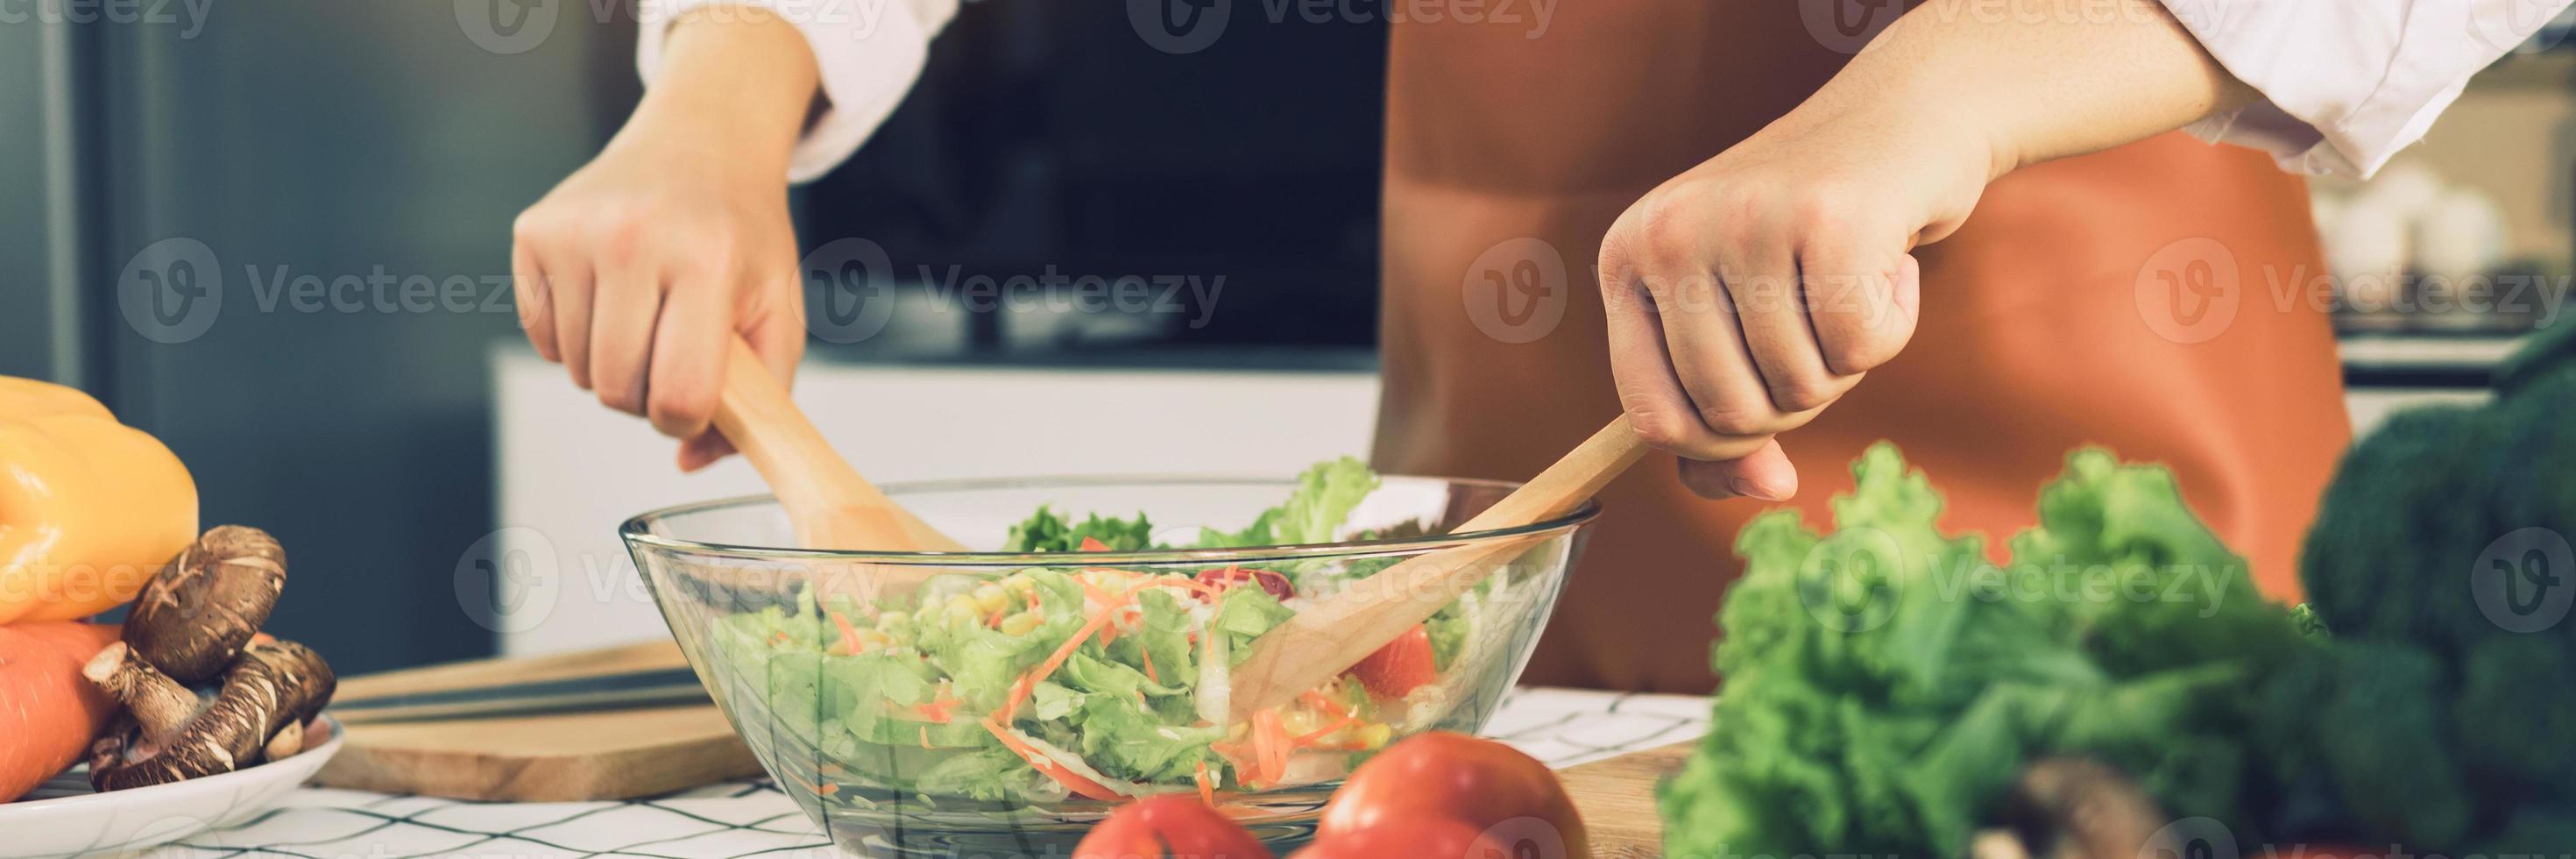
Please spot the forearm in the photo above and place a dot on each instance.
(2043, 79)
(740, 78)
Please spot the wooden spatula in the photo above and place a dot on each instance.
(831, 505)
(1327, 638)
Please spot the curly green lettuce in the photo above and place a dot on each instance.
(1885, 683)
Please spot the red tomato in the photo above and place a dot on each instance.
(1509, 796)
(1400, 667)
(1177, 825)
(1228, 577)
(1410, 838)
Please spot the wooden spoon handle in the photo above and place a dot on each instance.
(831, 505)
(1325, 639)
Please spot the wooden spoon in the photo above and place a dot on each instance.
(831, 505)
(1327, 638)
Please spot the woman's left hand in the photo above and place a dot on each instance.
(1753, 291)
(1747, 295)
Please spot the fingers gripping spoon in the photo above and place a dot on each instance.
(1325, 639)
(831, 506)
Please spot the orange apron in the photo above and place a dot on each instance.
(2145, 298)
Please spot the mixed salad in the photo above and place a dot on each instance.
(1085, 681)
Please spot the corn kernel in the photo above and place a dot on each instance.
(1022, 623)
(989, 598)
(961, 611)
(1374, 735)
(1299, 722)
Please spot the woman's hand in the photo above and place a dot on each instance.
(636, 271)
(1753, 291)
(1747, 295)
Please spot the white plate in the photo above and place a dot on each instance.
(71, 820)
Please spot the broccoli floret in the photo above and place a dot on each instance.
(2370, 717)
(2516, 713)
(2426, 718)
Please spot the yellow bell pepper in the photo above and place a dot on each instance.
(89, 508)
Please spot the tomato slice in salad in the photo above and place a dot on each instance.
(1228, 577)
(1400, 667)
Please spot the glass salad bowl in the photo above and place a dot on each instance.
(999, 701)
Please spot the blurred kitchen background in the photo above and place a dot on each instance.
(443, 494)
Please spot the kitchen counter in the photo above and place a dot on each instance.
(1562, 727)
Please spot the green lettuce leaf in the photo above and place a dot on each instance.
(1325, 496)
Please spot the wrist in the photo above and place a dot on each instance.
(735, 81)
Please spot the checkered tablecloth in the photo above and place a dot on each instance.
(751, 818)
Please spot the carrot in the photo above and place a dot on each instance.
(48, 711)
(1207, 786)
(1270, 745)
(939, 709)
(1047, 766)
(1303, 740)
(1149, 664)
(1029, 681)
(1093, 544)
(849, 636)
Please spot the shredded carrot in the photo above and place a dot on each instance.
(1187, 583)
(1148, 654)
(1319, 701)
(1097, 594)
(1270, 745)
(1034, 605)
(1304, 740)
(925, 736)
(849, 636)
(1020, 692)
(1048, 767)
(1093, 544)
(933, 712)
(1233, 755)
(1207, 786)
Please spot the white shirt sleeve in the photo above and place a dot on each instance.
(869, 52)
(2348, 83)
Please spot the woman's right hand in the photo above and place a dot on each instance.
(637, 269)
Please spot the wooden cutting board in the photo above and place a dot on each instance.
(538, 758)
(1617, 799)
